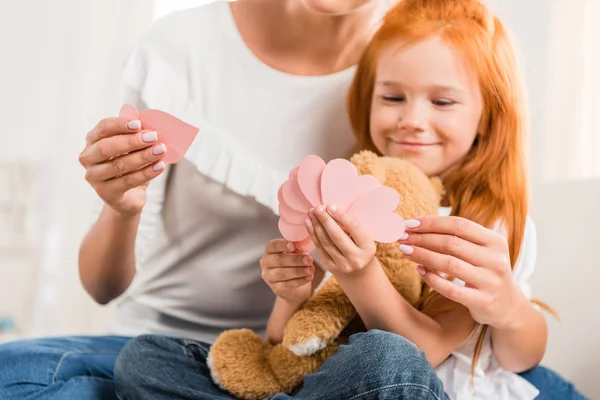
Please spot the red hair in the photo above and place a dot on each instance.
(490, 185)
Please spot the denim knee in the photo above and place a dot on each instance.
(129, 367)
(387, 357)
(386, 350)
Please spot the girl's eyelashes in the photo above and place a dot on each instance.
(443, 102)
(392, 99)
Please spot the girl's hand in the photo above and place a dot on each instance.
(289, 274)
(474, 254)
(340, 254)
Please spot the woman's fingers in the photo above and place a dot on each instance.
(453, 246)
(443, 263)
(116, 187)
(114, 146)
(125, 164)
(452, 291)
(110, 127)
(454, 226)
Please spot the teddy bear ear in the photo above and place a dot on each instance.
(438, 186)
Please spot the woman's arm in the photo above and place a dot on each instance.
(521, 345)
(381, 307)
(480, 257)
(106, 256)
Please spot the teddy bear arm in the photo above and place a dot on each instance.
(320, 321)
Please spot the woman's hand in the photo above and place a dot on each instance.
(288, 273)
(344, 247)
(474, 254)
(119, 161)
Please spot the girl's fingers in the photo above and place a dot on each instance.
(348, 224)
(310, 227)
(335, 233)
(291, 284)
(275, 275)
(324, 240)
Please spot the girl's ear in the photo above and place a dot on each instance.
(438, 186)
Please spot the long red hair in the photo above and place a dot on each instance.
(490, 185)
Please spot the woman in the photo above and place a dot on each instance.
(265, 81)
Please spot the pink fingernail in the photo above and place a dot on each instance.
(319, 210)
(135, 124)
(158, 166)
(307, 270)
(412, 223)
(161, 148)
(421, 270)
(308, 223)
(333, 208)
(404, 236)
(149, 137)
(407, 250)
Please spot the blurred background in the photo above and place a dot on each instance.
(60, 70)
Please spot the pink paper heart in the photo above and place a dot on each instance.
(309, 179)
(293, 196)
(289, 214)
(176, 134)
(305, 245)
(293, 173)
(374, 211)
(292, 232)
(129, 111)
(341, 185)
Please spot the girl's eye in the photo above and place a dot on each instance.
(392, 99)
(443, 102)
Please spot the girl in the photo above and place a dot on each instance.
(438, 85)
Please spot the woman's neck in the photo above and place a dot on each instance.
(289, 37)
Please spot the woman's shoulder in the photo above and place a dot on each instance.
(183, 31)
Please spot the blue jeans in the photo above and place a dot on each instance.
(374, 365)
(59, 368)
(82, 368)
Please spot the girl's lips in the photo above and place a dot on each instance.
(414, 146)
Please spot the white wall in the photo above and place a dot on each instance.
(567, 215)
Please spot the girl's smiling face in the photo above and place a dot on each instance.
(426, 105)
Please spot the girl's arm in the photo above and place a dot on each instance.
(381, 307)
(284, 309)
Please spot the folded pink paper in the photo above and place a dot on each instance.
(176, 134)
(315, 183)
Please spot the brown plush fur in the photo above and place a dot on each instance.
(247, 366)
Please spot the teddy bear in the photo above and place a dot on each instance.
(248, 367)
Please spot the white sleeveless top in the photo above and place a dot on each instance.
(208, 219)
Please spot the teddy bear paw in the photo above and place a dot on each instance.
(308, 347)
